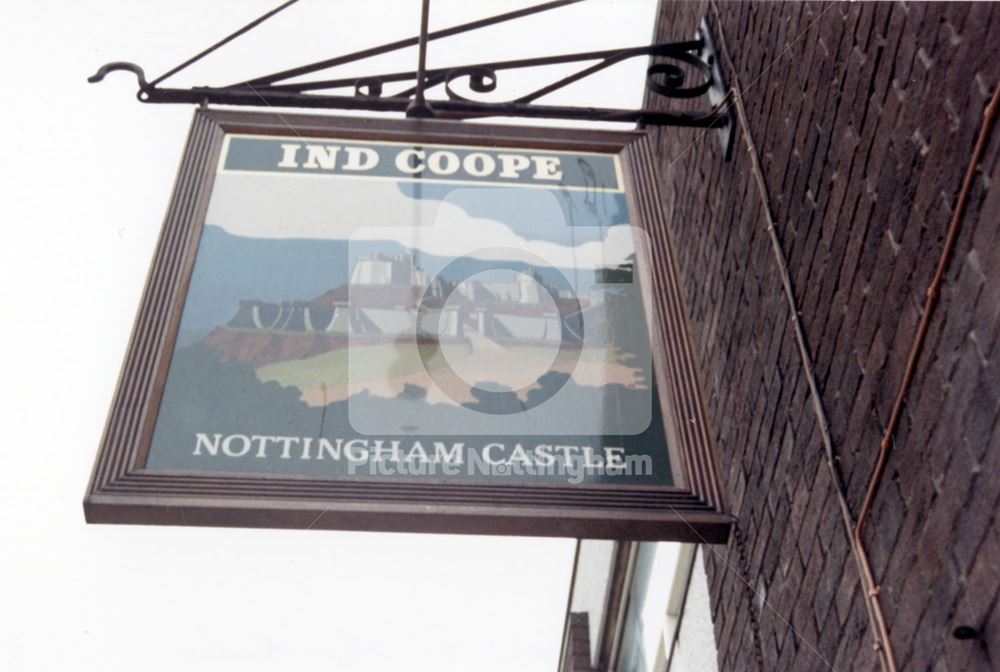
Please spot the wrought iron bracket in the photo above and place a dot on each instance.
(719, 93)
(682, 71)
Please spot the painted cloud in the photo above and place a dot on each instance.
(267, 206)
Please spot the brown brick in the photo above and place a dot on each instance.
(865, 121)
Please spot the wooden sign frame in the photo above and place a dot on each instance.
(121, 490)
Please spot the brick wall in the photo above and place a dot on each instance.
(865, 117)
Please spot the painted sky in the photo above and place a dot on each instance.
(582, 230)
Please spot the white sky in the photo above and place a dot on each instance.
(86, 173)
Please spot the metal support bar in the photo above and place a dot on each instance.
(418, 107)
(718, 92)
(684, 70)
(443, 109)
(408, 42)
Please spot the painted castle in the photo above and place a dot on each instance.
(384, 292)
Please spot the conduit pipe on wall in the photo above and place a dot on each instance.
(883, 646)
(989, 119)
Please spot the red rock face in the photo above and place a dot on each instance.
(262, 348)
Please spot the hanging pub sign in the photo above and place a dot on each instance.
(411, 326)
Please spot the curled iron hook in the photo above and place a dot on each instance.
(140, 75)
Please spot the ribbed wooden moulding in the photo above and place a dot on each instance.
(121, 491)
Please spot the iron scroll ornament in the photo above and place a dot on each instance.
(681, 70)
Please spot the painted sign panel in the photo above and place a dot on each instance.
(403, 310)
(415, 326)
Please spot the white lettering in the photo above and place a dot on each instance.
(566, 450)
(286, 444)
(288, 156)
(383, 452)
(203, 442)
(333, 450)
(543, 453)
(228, 441)
(614, 456)
(511, 165)
(591, 460)
(359, 444)
(488, 453)
(443, 163)
(321, 156)
(404, 165)
(360, 158)
(547, 168)
(478, 164)
(261, 442)
(519, 454)
(417, 453)
(306, 447)
(442, 454)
